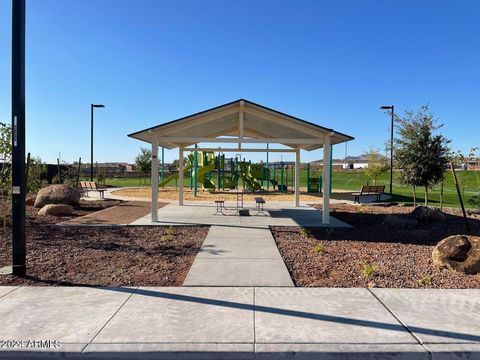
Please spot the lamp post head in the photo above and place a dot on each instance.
(386, 107)
(98, 106)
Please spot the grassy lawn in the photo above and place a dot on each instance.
(468, 181)
(353, 181)
(128, 182)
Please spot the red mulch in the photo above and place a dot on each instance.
(401, 258)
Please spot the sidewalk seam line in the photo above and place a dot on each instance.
(419, 341)
(108, 321)
(18, 287)
(254, 322)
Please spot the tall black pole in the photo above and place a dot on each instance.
(391, 152)
(18, 138)
(91, 142)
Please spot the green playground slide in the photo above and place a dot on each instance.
(174, 176)
(207, 183)
(251, 183)
(246, 175)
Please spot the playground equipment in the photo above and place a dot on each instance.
(201, 167)
(211, 172)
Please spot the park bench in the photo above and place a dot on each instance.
(368, 190)
(220, 206)
(86, 186)
(259, 201)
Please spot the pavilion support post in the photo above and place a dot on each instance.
(195, 170)
(268, 171)
(154, 182)
(326, 180)
(297, 177)
(180, 176)
(163, 163)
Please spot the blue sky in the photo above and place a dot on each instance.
(330, 62)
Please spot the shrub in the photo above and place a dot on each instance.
(305, 232)
(36, 168)
(425, 281)
(319, 249)
(369, 270)
(169, 234)
(166, 238)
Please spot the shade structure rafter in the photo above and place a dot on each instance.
(243, 122)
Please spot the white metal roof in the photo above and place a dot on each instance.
(240, 121)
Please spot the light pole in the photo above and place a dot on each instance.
(18, 139)
(92, 106)
(391, 108)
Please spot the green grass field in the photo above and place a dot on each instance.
(469, 182)
(353, 180)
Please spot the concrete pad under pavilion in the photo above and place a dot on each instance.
(277, 213)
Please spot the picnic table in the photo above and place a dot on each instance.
(240, 203)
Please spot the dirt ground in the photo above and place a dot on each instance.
(106, 256)
(123, 213)
(370, 253)
(172, 194)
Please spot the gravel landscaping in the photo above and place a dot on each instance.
(372, 253)
(106, 256)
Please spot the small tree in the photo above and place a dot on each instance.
(474, 156)
(35, 171)
(420, 154)
(377, 165)
(5, 171)
(143, 161)
(101, 174)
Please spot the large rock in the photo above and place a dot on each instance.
(400, 222)
(459, 253)
(57, 194)
(56, 210)
(424, 213)
(30, 200)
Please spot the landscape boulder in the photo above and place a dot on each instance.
(400, 222)
(424, 213)
(57, 194)
(30, 200)
(56, 210)
(459, 253)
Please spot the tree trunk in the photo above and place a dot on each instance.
(414, 196)
(441, 197)
(426, 195)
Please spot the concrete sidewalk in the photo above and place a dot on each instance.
(238, 323)
(238, 256)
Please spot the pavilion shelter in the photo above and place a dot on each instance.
(237, 123)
